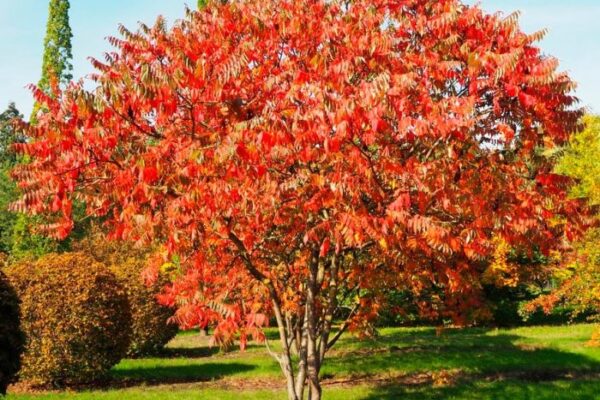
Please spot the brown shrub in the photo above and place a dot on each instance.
(75, 316)
(150, 328)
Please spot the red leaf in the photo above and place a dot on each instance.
(512, 90)
(527, 100)
(149, 175)
(324, 247)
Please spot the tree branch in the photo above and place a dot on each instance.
(342, 328)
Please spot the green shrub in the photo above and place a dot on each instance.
(75, 317)
(150, 328)
(11, 338)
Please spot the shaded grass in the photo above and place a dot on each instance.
(472, 350)
(499, 390)
(525, 363)
(182, 372)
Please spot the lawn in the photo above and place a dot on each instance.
(408, 363)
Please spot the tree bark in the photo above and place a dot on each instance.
(302, 362)
(331, 307)
(313, 358)
(285, 360)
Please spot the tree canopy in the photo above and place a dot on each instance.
(295, 158)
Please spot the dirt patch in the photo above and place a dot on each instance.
(529, 347)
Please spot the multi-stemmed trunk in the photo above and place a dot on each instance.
(306, 336)
(310, 333)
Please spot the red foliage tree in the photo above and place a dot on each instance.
(295, 157)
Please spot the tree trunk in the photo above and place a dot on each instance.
(286, 367)
(302, 362)
(314, 385)
(285, 359)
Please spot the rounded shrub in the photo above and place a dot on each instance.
(151, 330)
(75, 317)
(11, 338)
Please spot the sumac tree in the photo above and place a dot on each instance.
(295, 157)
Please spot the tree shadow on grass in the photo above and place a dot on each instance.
(585, 389)
(153, 375)
(135, 374)
(471, 351)
(422, 336)
(483, 365)
(188, 352)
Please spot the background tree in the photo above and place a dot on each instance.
(580, 161)
(9, 134)
(56, 63)
(26, 242)
(8, 192)
(295, 157)
(579, 274)
(57, 45)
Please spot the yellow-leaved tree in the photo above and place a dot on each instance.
(580, 276)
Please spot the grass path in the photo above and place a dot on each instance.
(525, 363)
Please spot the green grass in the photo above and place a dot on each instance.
(525, 363)
(505, 390)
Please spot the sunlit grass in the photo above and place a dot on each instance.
(524, 363)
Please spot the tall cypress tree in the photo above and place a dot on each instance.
(57, 45)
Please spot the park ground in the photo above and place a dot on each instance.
(533, 363)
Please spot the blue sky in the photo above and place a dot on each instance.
(574, 37)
